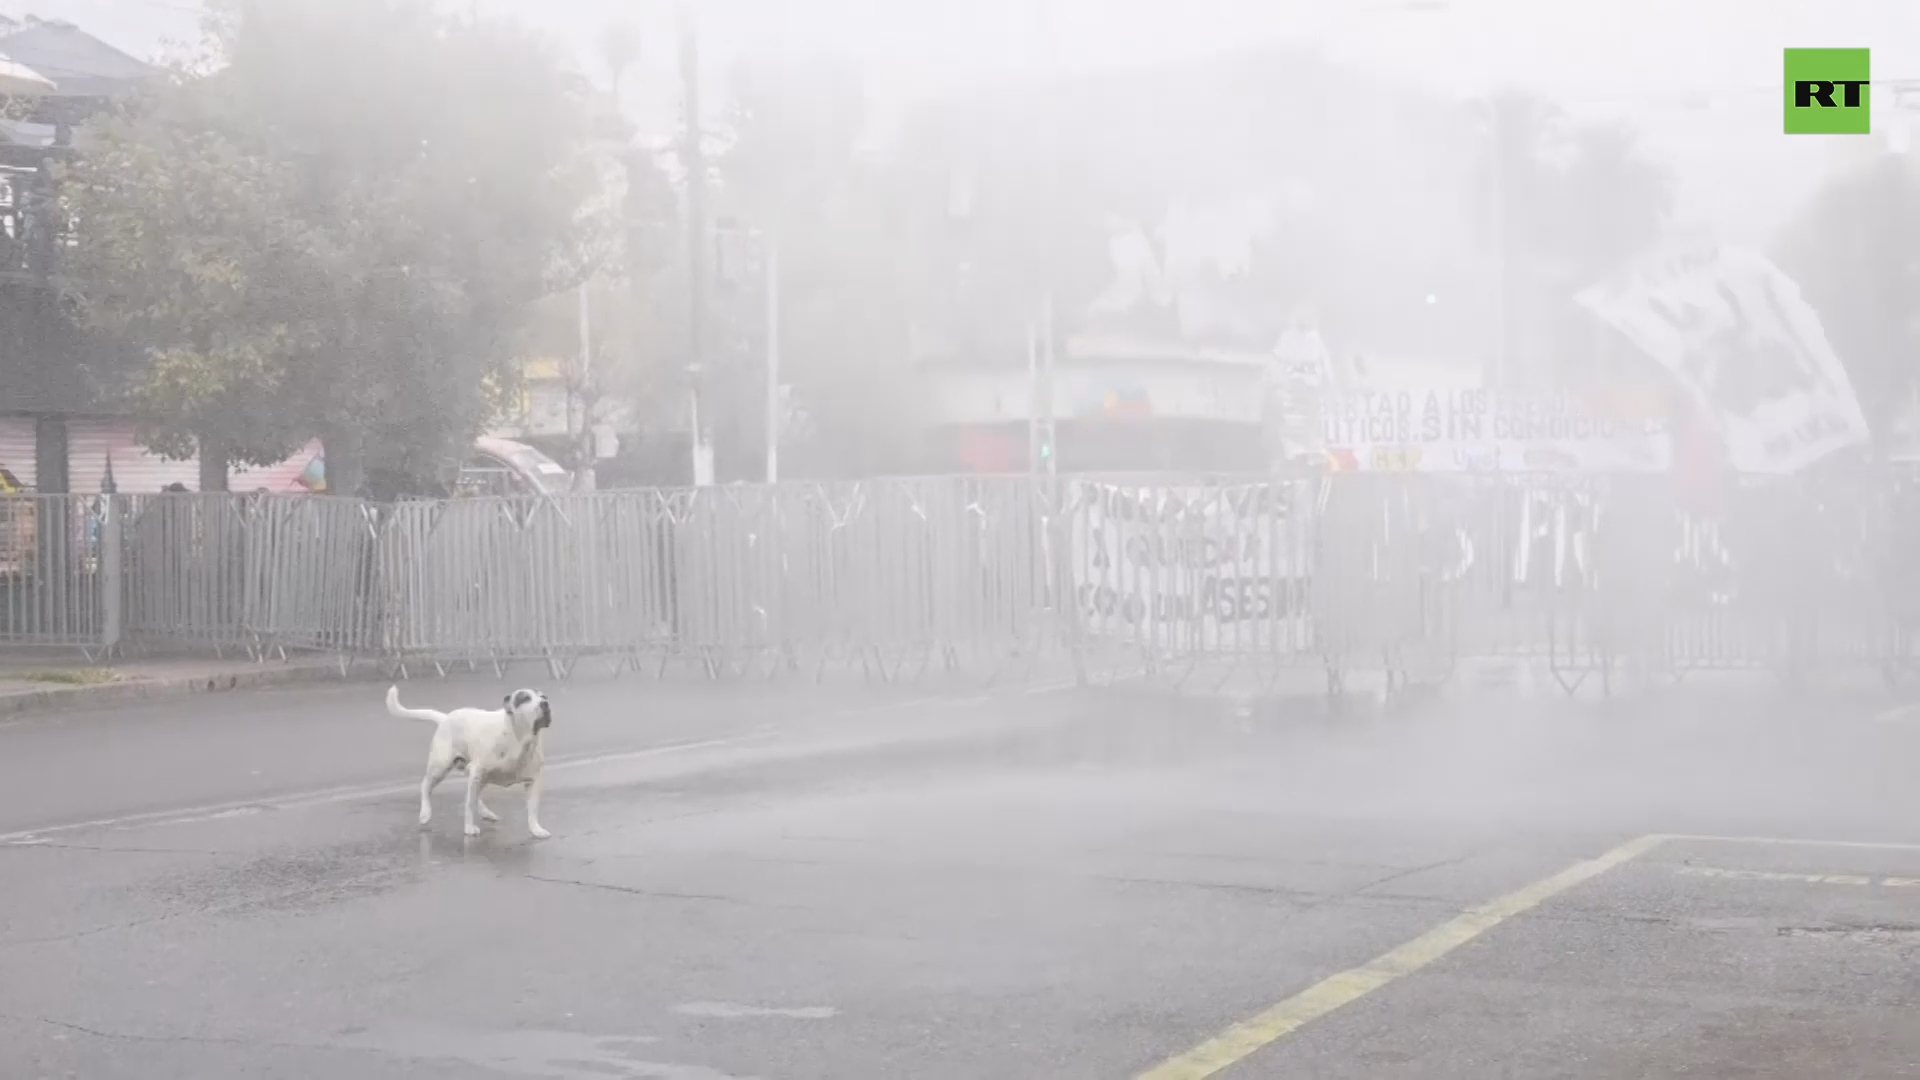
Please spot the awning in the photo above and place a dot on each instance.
(19, 80)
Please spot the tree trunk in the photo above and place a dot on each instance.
(214, 465)
(50, 455)
(54, 525)
(346, 471)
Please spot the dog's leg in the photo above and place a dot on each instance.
(436, 771)
(472, 827)
(533, 807)
(485, 814)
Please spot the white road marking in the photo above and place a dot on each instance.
(1898, 713)
(357, 793)
(334, 796)
(1793, 841)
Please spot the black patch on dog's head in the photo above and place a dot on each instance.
(530, 704)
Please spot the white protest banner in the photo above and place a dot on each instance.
(1481, 430)
(1187, 567)
(1741, 341)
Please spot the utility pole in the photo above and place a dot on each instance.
(584, 444)
(1048, 259)
(1497, 374)
(695, 159)
(772, 268)
(1033, 398)
(1050, 453)
(1040, 407)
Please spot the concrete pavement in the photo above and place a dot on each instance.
(1011, 885)
(30, 686)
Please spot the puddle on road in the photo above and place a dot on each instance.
(559, 1055)
(722, 1010)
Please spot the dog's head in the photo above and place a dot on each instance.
(530, 705)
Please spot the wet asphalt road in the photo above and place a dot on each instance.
(788, 882)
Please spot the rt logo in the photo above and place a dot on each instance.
(1828, 92)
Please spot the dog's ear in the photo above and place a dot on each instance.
(507, 701)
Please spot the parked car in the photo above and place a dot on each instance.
(505, 467)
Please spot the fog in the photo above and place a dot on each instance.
(1035, 538)
(1697, 75)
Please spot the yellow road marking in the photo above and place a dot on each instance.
(1330, 994)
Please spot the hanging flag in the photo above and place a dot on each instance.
(314, 476)
(1738, 338)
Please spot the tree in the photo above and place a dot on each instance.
(608, 377)
(1523, 134)
(1608, 206)
(793, 174)
(1561, 204)
(1854, 249)
(188, 246)
(1008, 202)
(337, 227)
(1610, 203)
(1520, 131)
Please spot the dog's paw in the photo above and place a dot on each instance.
(488, 815)
(539, 833)
(426, 817)
(471, 829)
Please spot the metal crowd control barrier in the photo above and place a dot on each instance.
(1195, 582)
(60, 572)
(1406, 575)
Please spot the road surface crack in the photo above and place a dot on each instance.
(661, 894)
(55, 845)
(240, 904)
(1219, 886)
(1399, 875)
(121, 1036)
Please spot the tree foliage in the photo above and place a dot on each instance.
(188, 250)
(1560, 204)
(336, 227)
(1611, 202)
(1008, 203)
(1580, 197)
(795, 178)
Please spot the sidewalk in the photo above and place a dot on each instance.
(28, 685)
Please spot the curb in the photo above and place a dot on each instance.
(16, 704)
(57, 698)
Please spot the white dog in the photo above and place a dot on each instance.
(502, 747)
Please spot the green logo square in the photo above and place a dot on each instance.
(1828, 92)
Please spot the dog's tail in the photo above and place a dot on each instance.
(394, 708)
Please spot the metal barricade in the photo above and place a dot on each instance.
(60, 571)
(1198, 582)
(187, 572)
